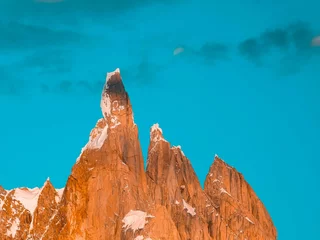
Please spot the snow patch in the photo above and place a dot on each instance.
(105, 104)
(156, 133)
(4, 199)
(59, 194)
(14, 228)
(99, 139)
(28, 197)
(114, 121)
(177, 202)
(190, 209)
(179, 147)
(140, 237)
(135, 220)
(155, 127)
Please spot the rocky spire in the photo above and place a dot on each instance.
(239, 212)
(174, 184)
(115, 103)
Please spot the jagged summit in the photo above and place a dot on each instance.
(115, 102)
(109, 195)
(156, 133)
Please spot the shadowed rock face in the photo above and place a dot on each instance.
(108, 194)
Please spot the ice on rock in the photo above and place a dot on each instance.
(135, 220)
(179, 147)
(156, 133)
(12, 231)
(249, 220)
(222, 190)
(189, 209)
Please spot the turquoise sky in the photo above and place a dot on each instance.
(246, 87)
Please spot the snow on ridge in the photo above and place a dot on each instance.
(59, 194)
(28, 197)
(156, 127)
(156, 133)
(97, 138)
(178, 147)
(94, 141)
(135, 220)
(105, 103)
(190, 209)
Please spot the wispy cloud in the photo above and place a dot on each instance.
(19, 36)
(210, 52)
(290, 46)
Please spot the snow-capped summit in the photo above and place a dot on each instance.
(156, 133)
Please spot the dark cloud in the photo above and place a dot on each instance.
(291, 44)
(210, 52)
(295, 37)
(214, 51)
(64, 87)
(19, 36)
(252, 50)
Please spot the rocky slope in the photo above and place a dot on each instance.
(108, 194)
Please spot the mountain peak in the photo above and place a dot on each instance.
(110, 194)
(156, 133)
(114, 97)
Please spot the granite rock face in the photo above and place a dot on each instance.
(109, 195)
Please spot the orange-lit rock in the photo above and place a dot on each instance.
(109, 196)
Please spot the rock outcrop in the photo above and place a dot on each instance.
(108, 194)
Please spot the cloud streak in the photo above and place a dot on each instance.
(20, 36)
(290, 46)
(210, 52)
